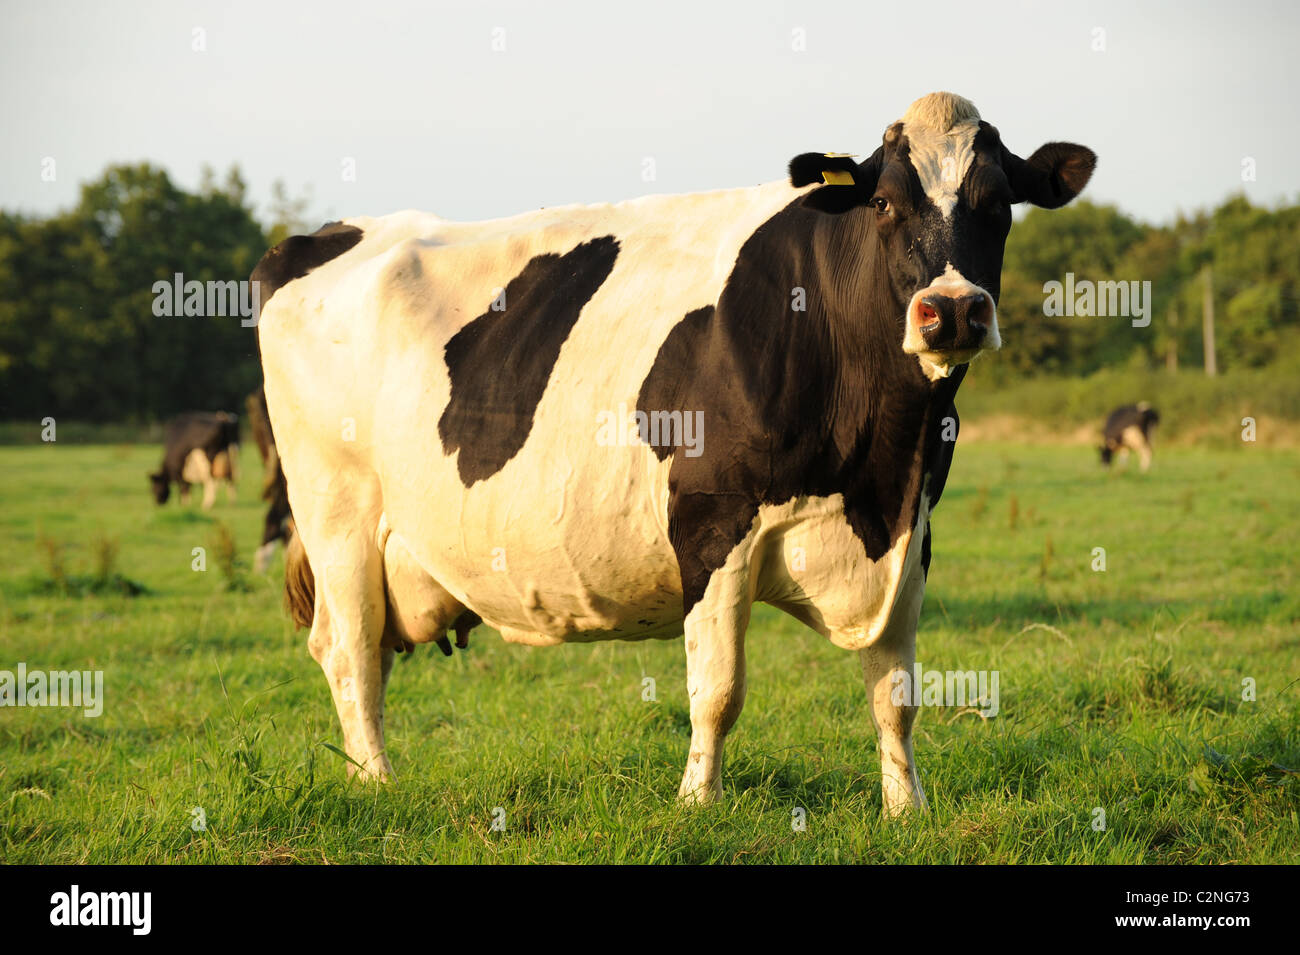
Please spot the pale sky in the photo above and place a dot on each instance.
(583, 93)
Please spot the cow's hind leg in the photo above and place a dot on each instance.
(347, 630)
(715, 679)
(1144, 454)
(887, 669)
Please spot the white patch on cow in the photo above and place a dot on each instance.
(940, 130)
(1132, 437)
(262, 557)
(220, 470)
(841, 593)
(198, 470)
(938, 365)
(836, 589)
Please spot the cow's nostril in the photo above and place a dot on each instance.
(927, 315)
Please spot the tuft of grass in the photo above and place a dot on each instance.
(225, 554)
(102, 580)
(1159, 683)
(52, 557)
(104, 550)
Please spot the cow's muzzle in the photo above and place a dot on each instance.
(950, 322)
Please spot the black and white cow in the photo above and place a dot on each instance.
(277, 525)
(1127, 429)
(199, 447)
(625, 421)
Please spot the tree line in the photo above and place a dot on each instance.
(79, 335)
(80, 338)
(1248, 256)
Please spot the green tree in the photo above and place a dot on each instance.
(78, 334)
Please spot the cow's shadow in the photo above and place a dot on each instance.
(950, 607)
(795, 776)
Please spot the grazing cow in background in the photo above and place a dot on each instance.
(199, 447)
(278, 523)
(622, 421)
(1127, 429)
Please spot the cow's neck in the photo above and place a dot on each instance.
(881, 395)
(827, 389)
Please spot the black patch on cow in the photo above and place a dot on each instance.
(299, 254)
(500, 362)
(1142, 417)
(796, 404)
(938, 463)
(663, 387)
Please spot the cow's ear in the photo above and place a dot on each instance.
(845, 183)
(1052, 176)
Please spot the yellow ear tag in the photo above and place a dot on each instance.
(837, 177)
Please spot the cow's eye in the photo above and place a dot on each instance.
(996, 207)
(880, 204)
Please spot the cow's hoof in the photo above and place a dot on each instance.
(907, 808)
(691, 793)
(379, 771)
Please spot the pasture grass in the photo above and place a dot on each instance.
(1121, 690)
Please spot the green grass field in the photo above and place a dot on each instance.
(1120, 690)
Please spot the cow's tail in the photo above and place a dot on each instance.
(299, 583)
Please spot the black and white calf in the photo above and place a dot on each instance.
(490, 420)
(199, 447)
(1128, 429)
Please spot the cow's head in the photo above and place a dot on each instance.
(161, 487)
(937, 198)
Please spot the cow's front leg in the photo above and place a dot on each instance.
(715, 679)
(887, 669)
